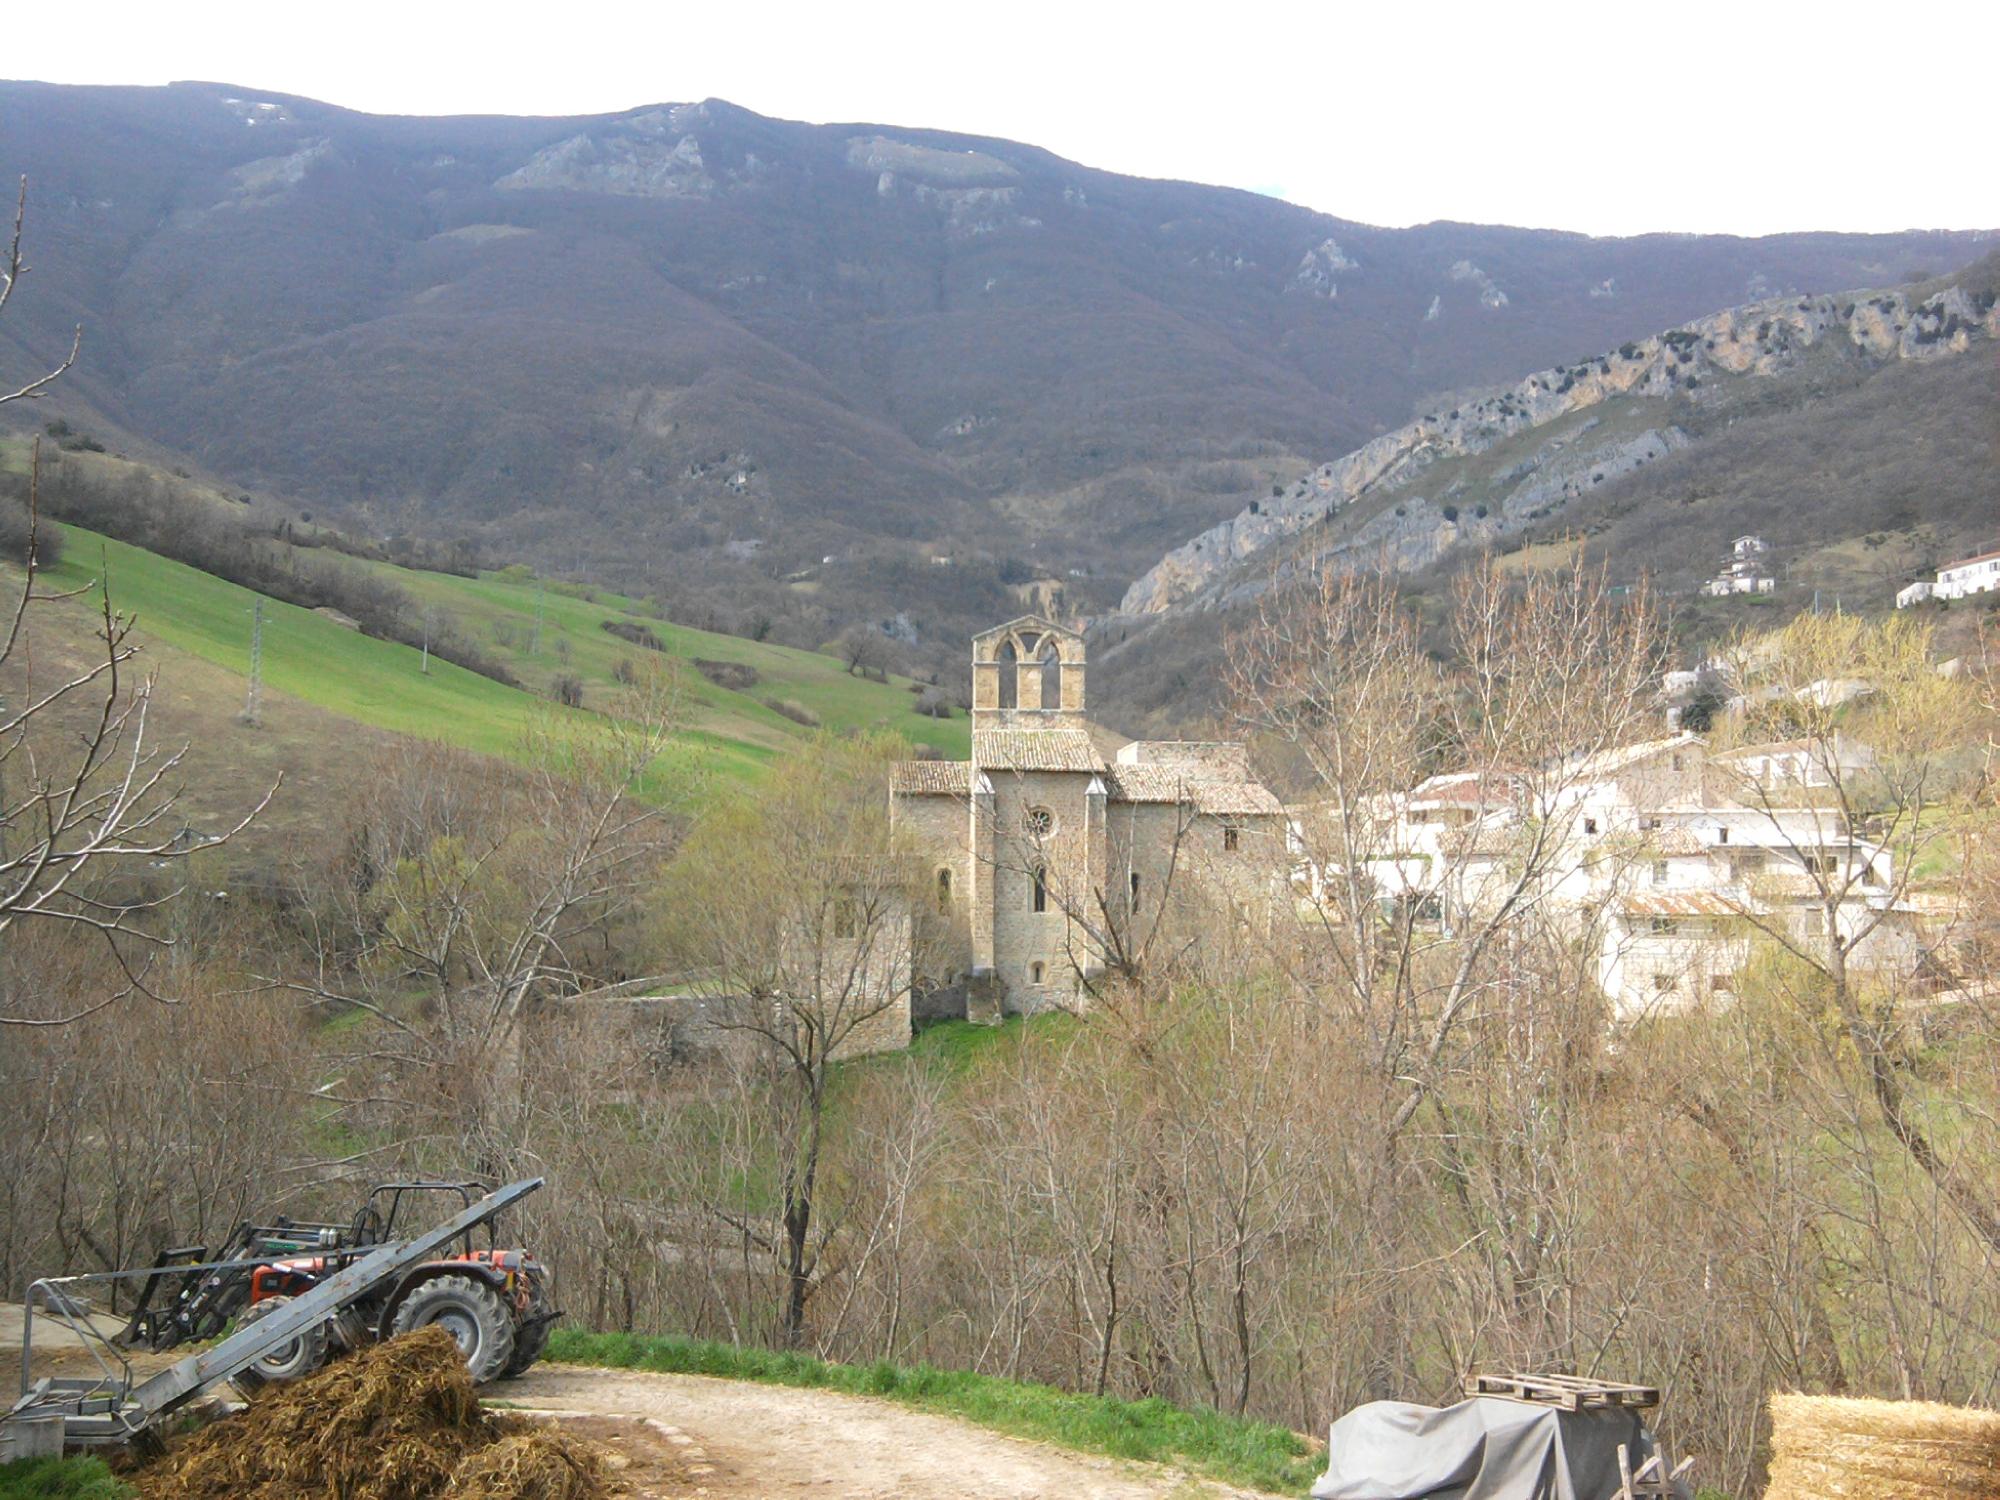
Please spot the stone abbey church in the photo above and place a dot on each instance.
(1059, 843)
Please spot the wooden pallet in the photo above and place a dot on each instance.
(1564, 1392)
(1652, 1481)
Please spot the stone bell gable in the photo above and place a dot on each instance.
(1030, 670)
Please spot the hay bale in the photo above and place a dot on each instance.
(529, 1465)
(390, 1422)
(1840, 1448)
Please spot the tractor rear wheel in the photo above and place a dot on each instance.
(289, 1361)
(474, 1313)
(531, 1333)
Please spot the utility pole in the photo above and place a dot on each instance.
(253, 705)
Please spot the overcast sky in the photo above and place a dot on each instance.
(1744, 117)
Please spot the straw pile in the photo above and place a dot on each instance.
(394, 1421)
(529, 1464)
(1835, 1448)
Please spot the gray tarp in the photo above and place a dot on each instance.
(1484, 1449)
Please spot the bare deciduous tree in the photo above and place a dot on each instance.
(793, 910)
(84, 799)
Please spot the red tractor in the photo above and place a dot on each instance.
(495, 1302)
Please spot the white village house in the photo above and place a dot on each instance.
(1668, 859)
(1744, 572)
(1969, 575)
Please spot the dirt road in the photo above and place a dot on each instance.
(776, 1440)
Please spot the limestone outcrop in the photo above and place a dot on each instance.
(1760, 340)
(651, 155)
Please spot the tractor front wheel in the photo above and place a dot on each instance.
(476, 1315)
(290, 1360)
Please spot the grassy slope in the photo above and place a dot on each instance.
(59, 1479)
(378, 683)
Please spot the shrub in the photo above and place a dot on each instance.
(736, 676)
(797, 712)
(567, 689)
(633, 631)
(14, 535)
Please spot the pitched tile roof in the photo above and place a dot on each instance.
(1052, 749)
(1678, 841)
(930, 778)
(1690, 903)
(1218, 796)
(1144, 784)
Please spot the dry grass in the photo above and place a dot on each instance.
(1837, 1448)
(396, 1421)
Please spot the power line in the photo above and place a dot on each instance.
(253, 705)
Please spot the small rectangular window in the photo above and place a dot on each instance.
(1722, 835)
(1041, 888)
(1663, 981)
(1229, 836)
(1659, 872)
(1590, 825)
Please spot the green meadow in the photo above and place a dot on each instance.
(317, 660)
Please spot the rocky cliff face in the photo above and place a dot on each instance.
(1761, 340)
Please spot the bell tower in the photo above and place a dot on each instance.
(1027, 674)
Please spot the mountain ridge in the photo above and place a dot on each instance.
(766, 368)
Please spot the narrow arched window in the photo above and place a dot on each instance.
(1035, 972)
(1135, 890)
(1010, 676)
(1051, 677)
(1041, 887)
(944, 890)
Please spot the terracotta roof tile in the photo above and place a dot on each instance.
(1691, 903)
(1218, 796)
(1034, 750)
(930, 778)
(1678, 841)
(1144, 784)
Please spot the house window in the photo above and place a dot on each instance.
(1723, 984)
(1041, 888)
(1590, 825)
(944, 890)
(1722, 835)
(1663, 981)
(1659, 872)
(1039, 822)
(1035, 972)
(1677, 762)
(846, 918)
(1664, 925)
(1649, 824)
(1230, 834)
